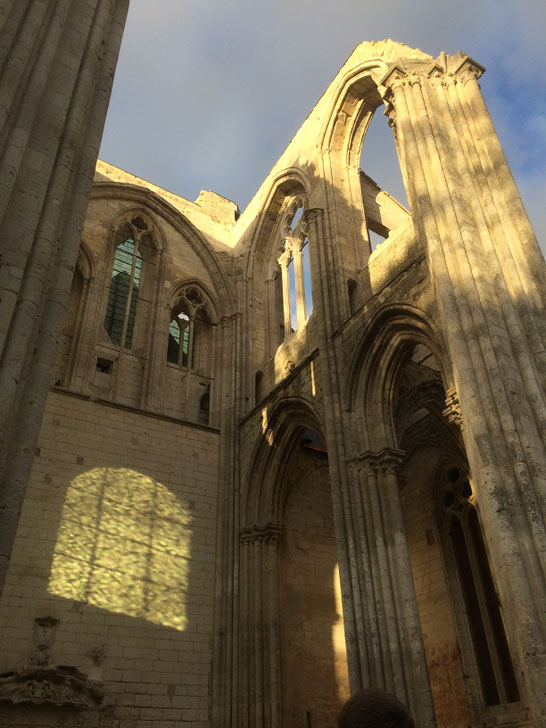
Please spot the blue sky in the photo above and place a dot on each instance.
(208, 94)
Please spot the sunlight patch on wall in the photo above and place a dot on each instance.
(338, 642)
(124, 545)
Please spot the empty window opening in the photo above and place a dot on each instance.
(297, 216)
(482, 606)
(306, 262)
(375, 239)
(379, 159)
(204, 408)
(104, 366)
(292, 286)
(292, 289)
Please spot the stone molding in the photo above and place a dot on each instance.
(385, 461)
(269, 533)
(313, 214)
(54, 686)
(452, 411)
(444, 70)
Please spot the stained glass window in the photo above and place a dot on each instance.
(119, 320)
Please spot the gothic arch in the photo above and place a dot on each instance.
(85, 261)
(181, 285)
(288, 182)
(287, 479)
(155, 204)
(264, 496)
(374, 369)
(358, 95)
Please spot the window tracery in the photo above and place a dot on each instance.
(135, 246)
(190, 330)
(295, 270)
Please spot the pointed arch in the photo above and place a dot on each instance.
(162, 210)
(264, 495)
(85, 261)
(377, 359)
(287, 184)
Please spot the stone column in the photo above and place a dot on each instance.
(300, 285)
(284, 260)
(260, 657)
(346, 516)
(156, 350)
(393, 640)
(477, 239)
(58, 63)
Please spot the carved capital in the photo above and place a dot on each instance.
(313, 214)
(395, 78)
(284, 258)
(270, 533)
(366, 463)
(452, 411)
(468, 70)
(390, 460)
(385, 461)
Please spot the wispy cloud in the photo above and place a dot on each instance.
(207, 95)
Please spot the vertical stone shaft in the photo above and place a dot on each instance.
(399, 662)
(48, 152)
(300, 286)
(283, 262)
(353, 608)
(460, 190)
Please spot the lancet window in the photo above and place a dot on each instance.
(190, 331)
(295, 270)
(135, 248)
(465, 541)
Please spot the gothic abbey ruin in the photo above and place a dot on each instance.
(248, 463)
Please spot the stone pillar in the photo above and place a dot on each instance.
(347, 519)
(260, 655)
(156, 348)
(393, 641)
(480, 250)
(284, 260)
(300, 284)
(58, 59)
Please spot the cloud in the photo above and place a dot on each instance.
(208, 95)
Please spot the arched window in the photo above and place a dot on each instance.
(294, 279)
(190, 331)
(134, 246)
(461, 528)
(204, 408)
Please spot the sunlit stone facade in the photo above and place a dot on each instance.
(274, 464)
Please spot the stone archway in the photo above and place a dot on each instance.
(292, 644)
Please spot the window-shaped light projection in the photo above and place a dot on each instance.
(295, 269)
(126, 281)
(461, 525)
(124, 545)
(191, 331)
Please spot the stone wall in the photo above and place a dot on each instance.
(117, 543)
(315, 661)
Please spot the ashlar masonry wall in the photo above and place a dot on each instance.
(116, 547)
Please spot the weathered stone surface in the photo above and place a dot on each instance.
(207, 498)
